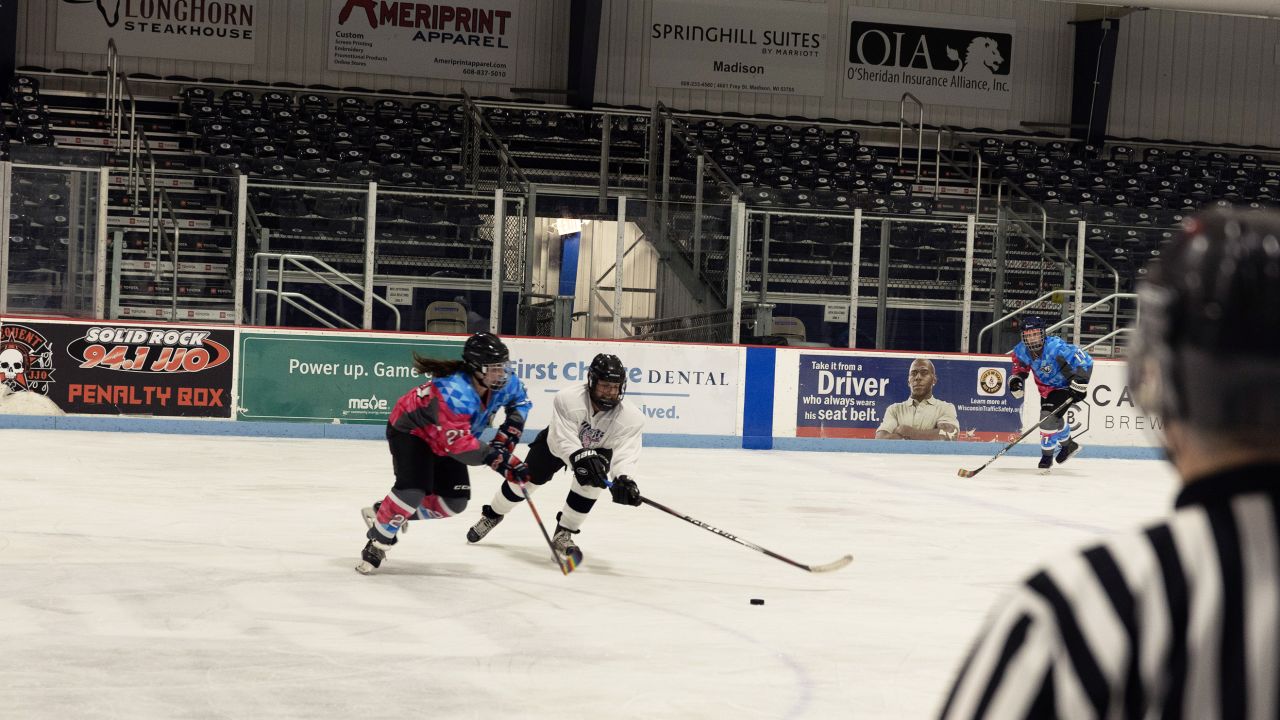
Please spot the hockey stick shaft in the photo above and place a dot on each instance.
(538, 518)
(730, 536)
(1056, 411)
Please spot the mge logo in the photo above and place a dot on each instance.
(373, 402)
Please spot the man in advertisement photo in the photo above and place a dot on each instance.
(921, 416)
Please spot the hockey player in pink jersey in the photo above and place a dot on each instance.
(433, 435)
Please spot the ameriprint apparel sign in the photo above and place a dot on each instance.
(961, 60)
(739, 47)
(476, 41)
(209, 30)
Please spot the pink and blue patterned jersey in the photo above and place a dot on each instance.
(448, 414)
(1059, 360)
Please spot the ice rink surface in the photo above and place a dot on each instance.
(160, 576)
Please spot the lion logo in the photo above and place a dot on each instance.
(982, 58)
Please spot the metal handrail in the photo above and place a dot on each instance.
(1090, 306)
(494, 141)
(292, 297)
(694, 145)
(902, 119)
(1108, 336)
(296, 259)
(1022, 308)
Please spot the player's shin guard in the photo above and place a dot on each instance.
(576, 506)
(393, 512)
(1053, 430)
(508, 496)
(435, 507)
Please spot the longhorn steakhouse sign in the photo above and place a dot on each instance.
(475, 41)
(964, 60)
(208, 30)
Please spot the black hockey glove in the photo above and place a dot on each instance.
(1017, 385)
(625, 491)
(508, 435)
(1079, 389)
(590, 468)
(500, 460)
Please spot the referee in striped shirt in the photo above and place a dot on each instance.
(1182, 619)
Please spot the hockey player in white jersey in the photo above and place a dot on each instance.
(592, 432)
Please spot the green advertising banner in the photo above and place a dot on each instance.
(327, 378)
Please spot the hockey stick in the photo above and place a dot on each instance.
(835, 565)
(1057, 411)
(568, 564)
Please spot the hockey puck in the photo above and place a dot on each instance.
(757, 601)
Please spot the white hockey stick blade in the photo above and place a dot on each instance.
(835, 565)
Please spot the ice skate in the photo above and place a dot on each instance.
(371, 556)
(488, 520)
(1070, 448)
(562, 543)
(1046, 462)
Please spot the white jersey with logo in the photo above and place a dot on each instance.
(576, 425)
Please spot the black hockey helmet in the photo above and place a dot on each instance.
(1207, 350)
(1031, 324)
(607, 368)
(481, 351)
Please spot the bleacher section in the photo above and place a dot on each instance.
(318, 140)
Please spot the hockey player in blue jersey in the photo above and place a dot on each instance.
(1062, 373)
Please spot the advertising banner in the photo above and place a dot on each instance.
(773, 47)
(679, 388)
(852, 396)
(113, 369)
(475, 41)
(358, 379)
(209, 30)
(962, 60)
(1109, 416)
(328, 377)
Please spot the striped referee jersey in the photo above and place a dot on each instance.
(1181, 620)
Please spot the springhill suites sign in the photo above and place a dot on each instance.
(941, 59)
(738, 47)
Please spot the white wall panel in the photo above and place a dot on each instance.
(1194, 77)
(294, 48)
(1042, 49)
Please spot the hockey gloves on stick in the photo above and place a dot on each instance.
(1079, 390)
(508, 434)
(1017, 386)
(517, 471)
(590, 468)
(507, 465)
(625, 491)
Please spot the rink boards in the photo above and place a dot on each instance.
(316, 383)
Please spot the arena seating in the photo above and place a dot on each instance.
(1132, 193)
